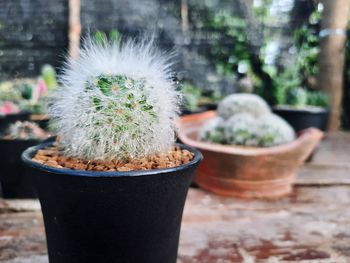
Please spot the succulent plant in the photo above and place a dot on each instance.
(9, 93)
(273, 130)
(246, 126)
(8, 107)
(296, 97)
(48, 74)
(213, 131)
(241, 129)
(242, 103)
(117, 102)
(25, 131)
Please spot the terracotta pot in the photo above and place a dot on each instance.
(247, 172)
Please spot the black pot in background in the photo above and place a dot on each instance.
(6, 120)
(42, 121)
(304, 118)
(210, 106)
(112, 216)
(185, 111)
(201, 108)
(14, 175)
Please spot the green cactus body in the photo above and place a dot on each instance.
(116, 102)
(48, 73)
(213, 131)
(122, 105)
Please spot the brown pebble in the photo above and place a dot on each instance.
(54, 156)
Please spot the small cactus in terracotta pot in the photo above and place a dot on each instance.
(246, 120)
(256, 154)
(115, 154)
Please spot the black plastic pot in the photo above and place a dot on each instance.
(201, 108)
(14, 175)
(6, 120)
(42, 121)
(112, 216)
(301, 119)
(185, 111)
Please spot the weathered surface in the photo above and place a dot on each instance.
(312, 224)
(330, 164)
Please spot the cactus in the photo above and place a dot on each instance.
(213, 131)
(296, 97)
(9, 93)
(48, 74)
(117, 102)
(273, 130)
(247, 125)
(25, 131)
(241, 129)
(242, 103)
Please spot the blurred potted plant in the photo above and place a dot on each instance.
(112, 189)
(302, 108)
(14, 177)
(248, 151)
(10, 110)
(46, 84)
(197, 100)
(25, 99)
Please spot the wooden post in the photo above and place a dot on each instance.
(74, 28)
(184, 16)
(331, 58)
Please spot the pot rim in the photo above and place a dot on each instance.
(29, 152)
(307, 110)
(21, 113)
(309, 134)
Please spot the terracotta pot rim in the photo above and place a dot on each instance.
(304, 135)
(39, 117)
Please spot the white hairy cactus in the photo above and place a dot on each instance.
(242, 103)
(117, 102)
(273, 130)
(213, 131)
(246, 119)
(241, 129)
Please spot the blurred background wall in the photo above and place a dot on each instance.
(32, 32)
(221, 45)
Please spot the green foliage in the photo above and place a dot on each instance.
(302, 72)
(283, 82)
(230, 28)
(297, 97)
(113, 36)
(9, 93)
(26, 90)
(318, 99)
(192, 96)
